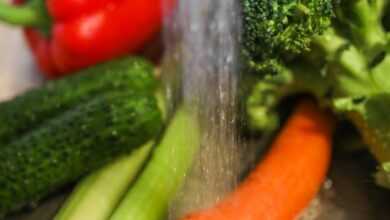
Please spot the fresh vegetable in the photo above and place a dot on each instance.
(279, 28)
(28, 111)
(360, 71)
(346, 69)
(67, 35)
(70, 145)
(273, 33)
(156, 187)
(96, 197)
(288, 177)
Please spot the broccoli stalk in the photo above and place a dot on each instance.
(347, 70)
(360, 72)
(363, 20)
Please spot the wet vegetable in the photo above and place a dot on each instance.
(289, 176)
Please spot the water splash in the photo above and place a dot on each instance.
(201, 68)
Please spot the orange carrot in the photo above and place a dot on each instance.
(289, 176)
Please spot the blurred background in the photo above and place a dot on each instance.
(17, 70)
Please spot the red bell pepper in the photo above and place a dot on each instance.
(67, 35)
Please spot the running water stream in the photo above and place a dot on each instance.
(201, 68)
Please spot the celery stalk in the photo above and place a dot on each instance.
(98, 194)
(163, 176)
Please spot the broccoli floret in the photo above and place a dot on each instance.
(275, 32)
(347, 68)
(281, 27)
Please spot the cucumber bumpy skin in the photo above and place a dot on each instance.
(29, 110)
(70, 145)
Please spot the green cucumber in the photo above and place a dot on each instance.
(164, 175)
(97, 195)
(29, 110)
(68, 146)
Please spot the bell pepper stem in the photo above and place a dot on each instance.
(23, 15)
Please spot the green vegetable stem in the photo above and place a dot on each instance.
(97, 196)
(163, 176)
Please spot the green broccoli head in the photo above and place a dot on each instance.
(272, 28)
